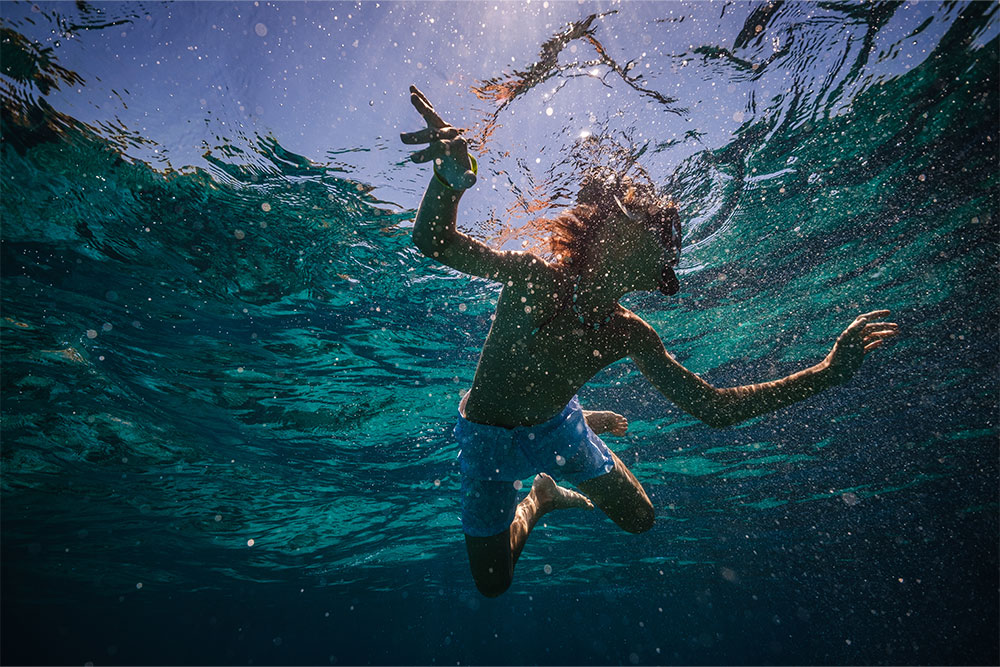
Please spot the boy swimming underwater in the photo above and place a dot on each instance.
(556, 325)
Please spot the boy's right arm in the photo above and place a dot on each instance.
(434, 231)
(435, 235)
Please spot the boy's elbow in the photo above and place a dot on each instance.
(422, 242)
(719, 422)
(428, 244)
(716, 415)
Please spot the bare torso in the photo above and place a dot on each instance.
(524, 378)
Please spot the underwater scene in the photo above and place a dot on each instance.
(230, 380)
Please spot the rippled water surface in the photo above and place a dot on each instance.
(229, 380)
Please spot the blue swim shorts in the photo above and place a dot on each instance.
(492, 458)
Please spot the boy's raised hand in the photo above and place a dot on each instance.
(448, 148)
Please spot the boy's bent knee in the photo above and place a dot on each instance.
(492, 587)
(640, 522)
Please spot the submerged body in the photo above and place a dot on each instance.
(525, 376)
(555, 326)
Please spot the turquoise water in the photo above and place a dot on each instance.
(213, 341)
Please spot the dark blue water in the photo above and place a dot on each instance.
(250, 349)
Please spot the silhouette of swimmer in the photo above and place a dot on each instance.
(556, 325)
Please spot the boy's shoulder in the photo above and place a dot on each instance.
(634, 329)
(631, 320)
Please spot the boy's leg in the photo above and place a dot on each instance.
(620, 495)
(492, 558)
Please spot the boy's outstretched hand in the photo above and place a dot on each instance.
(861, 337)
(448, 148)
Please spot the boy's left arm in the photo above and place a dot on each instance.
(723, 407)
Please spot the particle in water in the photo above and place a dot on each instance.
(518, 484)
(239, 234)
(265, 207)
(106, 326)
(260, 29)
(218, 517)
(547, 569)
(738, 116)
(548, 112)
(250, 542)
(462, 307)
(139, 585)
(560, 461)
(850, 499)
(437, 482)
(91, 333)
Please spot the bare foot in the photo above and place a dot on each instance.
(550, 496)
(601, 421)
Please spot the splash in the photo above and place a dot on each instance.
(504, 89)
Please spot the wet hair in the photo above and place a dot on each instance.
(573, 232)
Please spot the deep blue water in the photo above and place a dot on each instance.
(249, 348)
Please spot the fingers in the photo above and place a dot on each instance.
(440, 149)
(425, 109)
(881, 326)
(862, 324)
(416, 91)
(434, 151)
(873, 314)
(876, 333)
(428, 134)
